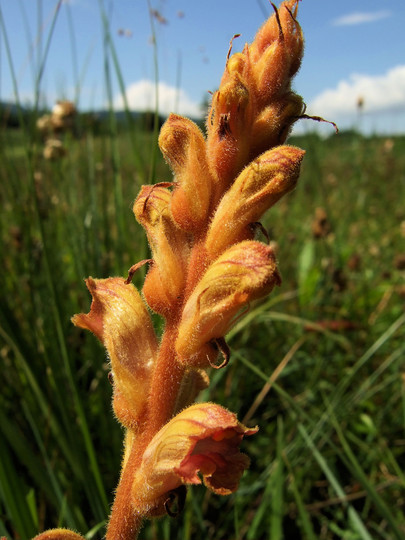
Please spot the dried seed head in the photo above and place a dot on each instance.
(54, 150)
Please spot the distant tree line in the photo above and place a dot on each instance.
(12, 116)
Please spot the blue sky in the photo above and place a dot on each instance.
(353, 49)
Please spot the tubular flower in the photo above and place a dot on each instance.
(245, 271)
(260, 185)
(201, 440)
(120, 320)
(183, 146)
(169, 246)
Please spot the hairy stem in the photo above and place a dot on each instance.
(126, 519)
(165, 383)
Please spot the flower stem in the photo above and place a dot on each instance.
(126, 518)
(125, 521)
(165, 382)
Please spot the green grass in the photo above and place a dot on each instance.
(328, 460)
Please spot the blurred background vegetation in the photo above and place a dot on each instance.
(318, 365)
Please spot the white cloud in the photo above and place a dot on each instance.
(361, 18)
(379, 92)
(141, 96)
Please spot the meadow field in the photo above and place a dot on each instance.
(319, 364)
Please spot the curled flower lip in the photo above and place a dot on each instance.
(202, 440)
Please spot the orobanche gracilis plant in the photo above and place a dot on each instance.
(206, 266)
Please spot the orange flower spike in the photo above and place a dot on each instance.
(244, 272)
(183, 146)
(203, 438)
(264, 71)
(119, 318)
(165, 280)
(260, 185)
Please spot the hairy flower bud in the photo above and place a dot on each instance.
(273, 124)
(183, 146)
(282, 26)
(58, 534)
(260, 185)
(227, 142)
(244, 272)
(254, 107)
(165, 280)
(119, 318)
